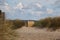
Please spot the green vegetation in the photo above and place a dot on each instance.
(50, 23)
(17, 24)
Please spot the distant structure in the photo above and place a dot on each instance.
(29, 23)
(2, 15)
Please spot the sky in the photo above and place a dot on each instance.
(30, 9)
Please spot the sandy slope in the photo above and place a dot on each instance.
(29, 33)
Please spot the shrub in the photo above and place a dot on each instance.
(50, 23)
(18, 24)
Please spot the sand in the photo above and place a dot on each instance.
(29, 33)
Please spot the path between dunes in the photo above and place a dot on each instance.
(29, 33)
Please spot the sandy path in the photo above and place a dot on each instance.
(28, 33)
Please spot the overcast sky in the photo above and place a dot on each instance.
(30, 9)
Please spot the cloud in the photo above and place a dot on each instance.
(6, 3)
(7, 7)
(38, 13)
(47, 0)
(49, 11)
(19, 6)
(29, 9)
(50, 1)
(39, 5)
(2, 2)
(57, 4)
(57, 1)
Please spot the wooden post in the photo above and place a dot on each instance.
(1, 25)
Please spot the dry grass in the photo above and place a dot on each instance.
(6, 33)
